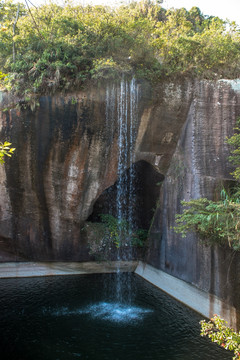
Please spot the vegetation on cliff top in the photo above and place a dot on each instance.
(54, 48)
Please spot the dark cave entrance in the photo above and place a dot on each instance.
(146, 188)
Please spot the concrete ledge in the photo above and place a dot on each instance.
(200, 301)
(31, 269)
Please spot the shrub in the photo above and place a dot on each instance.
(218, 331)
(216, 221)
(96, 41)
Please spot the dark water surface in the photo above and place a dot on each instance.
(78, 317)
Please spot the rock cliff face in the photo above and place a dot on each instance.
(199, 168)
(67, 159)
(67, 155)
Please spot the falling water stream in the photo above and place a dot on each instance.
(127, 127)
(125, 113)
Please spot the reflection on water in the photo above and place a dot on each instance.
(72, 317)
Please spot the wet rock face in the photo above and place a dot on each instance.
(55, 176)
(67, 155)
(198, 168)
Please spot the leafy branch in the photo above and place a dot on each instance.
(121, 233)
(218, 331)
(5, 150)
(216, 221)
(111, 234)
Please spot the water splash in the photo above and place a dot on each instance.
(117, 312)
(107, 311)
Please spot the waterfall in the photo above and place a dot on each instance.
(127, 124)
(124, 99)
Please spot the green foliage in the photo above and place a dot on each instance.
(215, 222)
(115, 230)
(107, 68)
(120, 233)
(8, 10)
(3, 80)
(61, 47)
(234, 141)
(218, 331)
(5, 150)
(2, 76)
(139, 237)
(112, 234)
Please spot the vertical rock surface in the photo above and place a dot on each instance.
(199, 168)
(67, 155)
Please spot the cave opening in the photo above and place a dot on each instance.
(141, 197)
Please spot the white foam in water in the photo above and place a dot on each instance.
(117, 312)
(114, 312)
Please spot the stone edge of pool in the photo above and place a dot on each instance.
(35, 269)
(200, 301)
